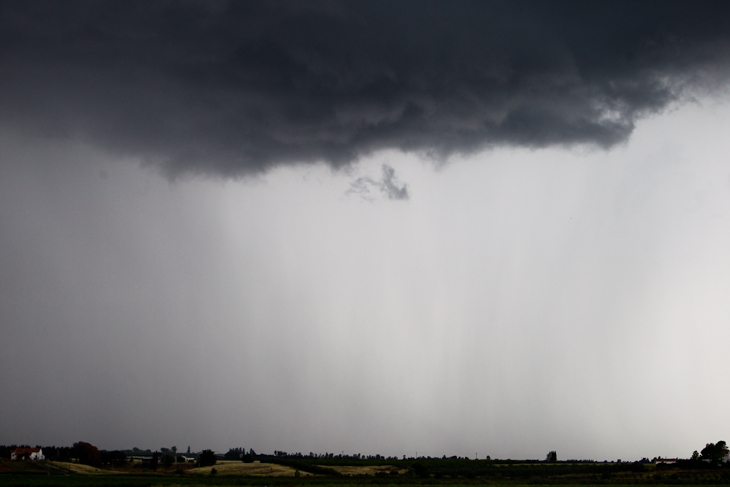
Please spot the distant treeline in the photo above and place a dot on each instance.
(517, 469)
(439, 467)
(459, 466)
(711, 457)
(455, 466)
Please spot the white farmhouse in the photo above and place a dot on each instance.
(27, 454)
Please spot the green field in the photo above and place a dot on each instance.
(146, 481)
(421, 472)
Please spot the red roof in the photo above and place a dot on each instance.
(18, 451)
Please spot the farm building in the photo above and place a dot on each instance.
(27, 454)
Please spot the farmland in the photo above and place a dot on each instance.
(428, 472)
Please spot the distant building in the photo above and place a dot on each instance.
(27, 454)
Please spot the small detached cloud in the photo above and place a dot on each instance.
(387, 185)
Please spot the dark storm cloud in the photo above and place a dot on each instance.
(238, 87)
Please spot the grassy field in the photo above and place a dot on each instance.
(229, 467)
(15, 480)
(368, 469)
(397, 473)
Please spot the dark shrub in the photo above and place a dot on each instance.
(207, 458)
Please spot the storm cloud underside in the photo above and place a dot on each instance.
(236, 88)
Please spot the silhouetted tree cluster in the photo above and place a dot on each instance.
(248, 457)
(58, 453)
(234, 454)
(714, 453)
(87, 454)
(517, 469)
(207, 458)
(114, 457)
(552, 457)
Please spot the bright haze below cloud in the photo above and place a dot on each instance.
(481, 277)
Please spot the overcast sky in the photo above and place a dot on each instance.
(493, 228)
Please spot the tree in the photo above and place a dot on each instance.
(714, 452)
(552, 457)
(87, 453)
(207, 458)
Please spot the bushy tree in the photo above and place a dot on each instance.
(419, 469)
(207, 458)
(714, 452)
(248, 457)
(87, 454)
(552, 457)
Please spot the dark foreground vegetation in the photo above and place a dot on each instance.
(419, 473)
(85, 465)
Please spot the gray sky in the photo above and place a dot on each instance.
(462, 228)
